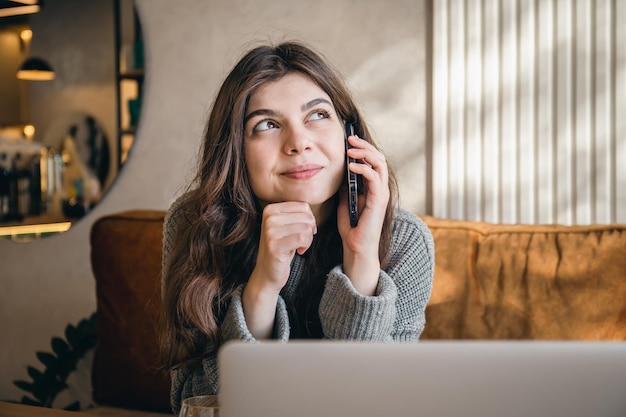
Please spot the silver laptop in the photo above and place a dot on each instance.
(428, 378)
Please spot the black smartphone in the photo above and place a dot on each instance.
(353, 183)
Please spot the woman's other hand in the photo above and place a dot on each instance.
(360, 244)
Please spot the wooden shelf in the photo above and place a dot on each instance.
(136, 75)
(128, 131)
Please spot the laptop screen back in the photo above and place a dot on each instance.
(429, 378)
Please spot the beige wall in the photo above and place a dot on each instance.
(380, 48)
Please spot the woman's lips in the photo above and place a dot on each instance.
(302, 172)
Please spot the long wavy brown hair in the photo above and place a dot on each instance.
(215, 249)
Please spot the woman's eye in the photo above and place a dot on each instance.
(318, 115)
(264, 125)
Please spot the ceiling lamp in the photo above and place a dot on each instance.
(35, 69)
(19, 10)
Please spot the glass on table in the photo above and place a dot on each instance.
(200, 406)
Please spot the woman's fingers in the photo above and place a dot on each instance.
(372, 166)
(278, 217)
(286, 228)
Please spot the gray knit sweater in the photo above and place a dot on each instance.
(394, 313)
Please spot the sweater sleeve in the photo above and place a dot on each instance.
(396, 312)
(203, 379)
(346, 314)
(234, 326)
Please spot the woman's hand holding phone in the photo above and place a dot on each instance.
(360, 243)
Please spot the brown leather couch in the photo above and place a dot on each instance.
(491, 282)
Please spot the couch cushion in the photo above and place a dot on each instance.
(126, 262)
(527, 281)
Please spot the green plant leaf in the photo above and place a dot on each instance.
(59, 346)
(56, 387)
(30, 401)
(87, 330)
(72, 336)
(34, 373)
(47, 391)
(42, 389)
(75, 406)
(48, 359)
(67, 365)
(24, 386)
(88, 325)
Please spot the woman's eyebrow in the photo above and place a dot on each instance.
(314, 103)
(261, 112)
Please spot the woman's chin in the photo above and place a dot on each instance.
(313, 199)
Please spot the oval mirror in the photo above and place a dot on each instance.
(71, 73)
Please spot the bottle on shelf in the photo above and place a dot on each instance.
(23, 187)
(35, 186)
(55, 192)
(4, 185)
(14, 192)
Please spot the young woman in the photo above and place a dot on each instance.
(261, 246)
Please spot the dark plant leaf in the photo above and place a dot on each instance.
(48, 359)
(56, 387)
(47, 387)
(71, 334)
(30, 401)
(83, 326)
(49, 377)
(75, 406)
(34, 373)
(24, 386)
(59, 346)
(41, 391)
(87, 329)
(67, 365)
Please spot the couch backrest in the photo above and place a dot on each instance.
(126, 261)
(491, 282)
(527, 281)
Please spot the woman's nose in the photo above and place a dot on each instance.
(297, 140)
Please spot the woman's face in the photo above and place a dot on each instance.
(294, 143)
